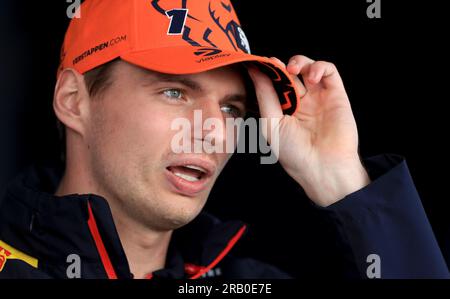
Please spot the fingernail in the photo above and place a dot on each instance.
(292, 62)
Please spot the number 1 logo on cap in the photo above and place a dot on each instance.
(177, 20)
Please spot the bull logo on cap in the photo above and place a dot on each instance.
(223, 15)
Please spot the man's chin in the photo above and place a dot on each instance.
(180, 210)
(177, 220)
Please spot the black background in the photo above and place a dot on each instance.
(390, 67)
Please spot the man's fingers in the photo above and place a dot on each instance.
(316, 75)
(299, 64)
(326, 73)
(314, 72)
(268, 102)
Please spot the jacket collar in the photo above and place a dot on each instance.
(51, 228)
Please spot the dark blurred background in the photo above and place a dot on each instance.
(389, 67)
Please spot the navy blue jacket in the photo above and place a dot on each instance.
(38, 232)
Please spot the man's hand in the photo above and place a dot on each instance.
(318, 146)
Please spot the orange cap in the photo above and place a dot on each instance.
(167, 36)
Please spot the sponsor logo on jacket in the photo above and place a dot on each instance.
(8, 252)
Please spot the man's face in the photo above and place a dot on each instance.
(129, 140)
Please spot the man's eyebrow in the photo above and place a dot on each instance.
(181, 79)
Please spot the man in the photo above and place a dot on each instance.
(129, 205)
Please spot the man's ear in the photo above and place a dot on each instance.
(71, 100)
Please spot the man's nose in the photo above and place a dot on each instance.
(209, 123)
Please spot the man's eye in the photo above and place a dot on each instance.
(173, 93)
(232, 110)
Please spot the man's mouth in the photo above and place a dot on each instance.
(190, 176)
(189, 173)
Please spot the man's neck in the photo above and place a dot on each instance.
(146, 249)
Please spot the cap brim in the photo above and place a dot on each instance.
(183, 60)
